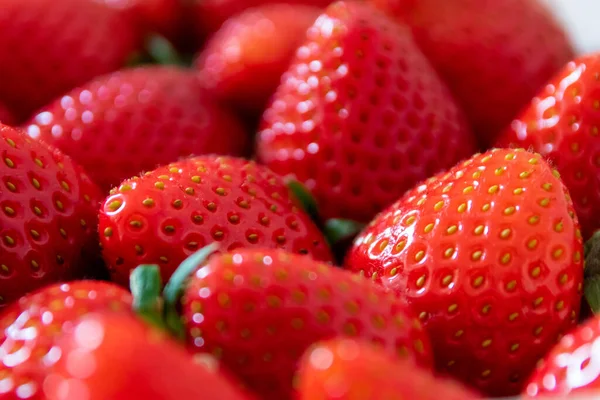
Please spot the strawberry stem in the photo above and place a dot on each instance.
(338, 230)
(591, 286)
(306, 199)
(174, 288)
(145, 285)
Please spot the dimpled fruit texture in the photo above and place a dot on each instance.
(48, 216)
(168, 214)
(347, 369)
(258, 311)
(50, 46)
(490, 257)
(30, 327)
(141, 118)
(263, 41)
(494, 54)
(572, 365)
(361, 116)
(563, 123)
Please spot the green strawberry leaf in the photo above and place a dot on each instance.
(175, 287)
(591, 285)
(145, 285)
(162, 52)
(338, 230)
(306, 199)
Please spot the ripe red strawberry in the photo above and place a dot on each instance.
(159, 16)
(5, 115)
(209, 15)
(258, 311)
(571, 367)
(30, 328)
(171, 212)
(142, 117)
(243, 62)
(111, 356)
(490, 256)
(360, 116)
(347, 369)
(48, 216)
(51, 46)
(562, 124)
(494, 54)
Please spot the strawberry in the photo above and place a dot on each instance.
(561, 123)
(5, 115)
(571, 367)
(159, 16)
(490, 256)
(112, 356)
(360, 116)
(142, 117)
(347, 369)
(209, 15)
(51, 46)
(171, 212)
(30, 327)
(494, 54)
(48, 216)
(258, 311)
(244, 60)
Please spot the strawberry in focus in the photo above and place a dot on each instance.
(171, 212)
(109, 356)
(48, 216)
(31, 326)
(244, 60)
(493, 54)
(490, 257)
(347, 369)
(142, 117)
(51, 46)
(257, 311)
(360, 115)
(562, 123)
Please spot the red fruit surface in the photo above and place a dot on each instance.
(491, 258)
(51, 46)
(243, 62)
(347, 369)
(562, 123)
(116, 357)
(48, 216)
(160, 16)
(131, 121)
(361, 116)
(494, 54)
(572, 365)
(259, 310)
(209, 15)
(31, 326)
(5, 116)
(170, 213)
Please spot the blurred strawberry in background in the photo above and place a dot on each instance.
(5, 116)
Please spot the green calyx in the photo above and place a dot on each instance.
(591, 286)
(306, 199)
(162, 311)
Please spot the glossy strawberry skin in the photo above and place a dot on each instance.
(31, 327)
(490, 257)
(51, 46)
(571, 366)
(124, 359)
(507, 50)
(360, 115)
(348, 369)
(142, 117)
(258, 311)
(561, 123)
(266, 38)
(48, 215)
(168, 214)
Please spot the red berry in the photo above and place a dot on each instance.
(5, 115)
(258, 311)
(48, 216)
(130, 121)
(360, 116)
(168, 214)
(490, 257)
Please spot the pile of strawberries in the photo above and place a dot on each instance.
(313, 200)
